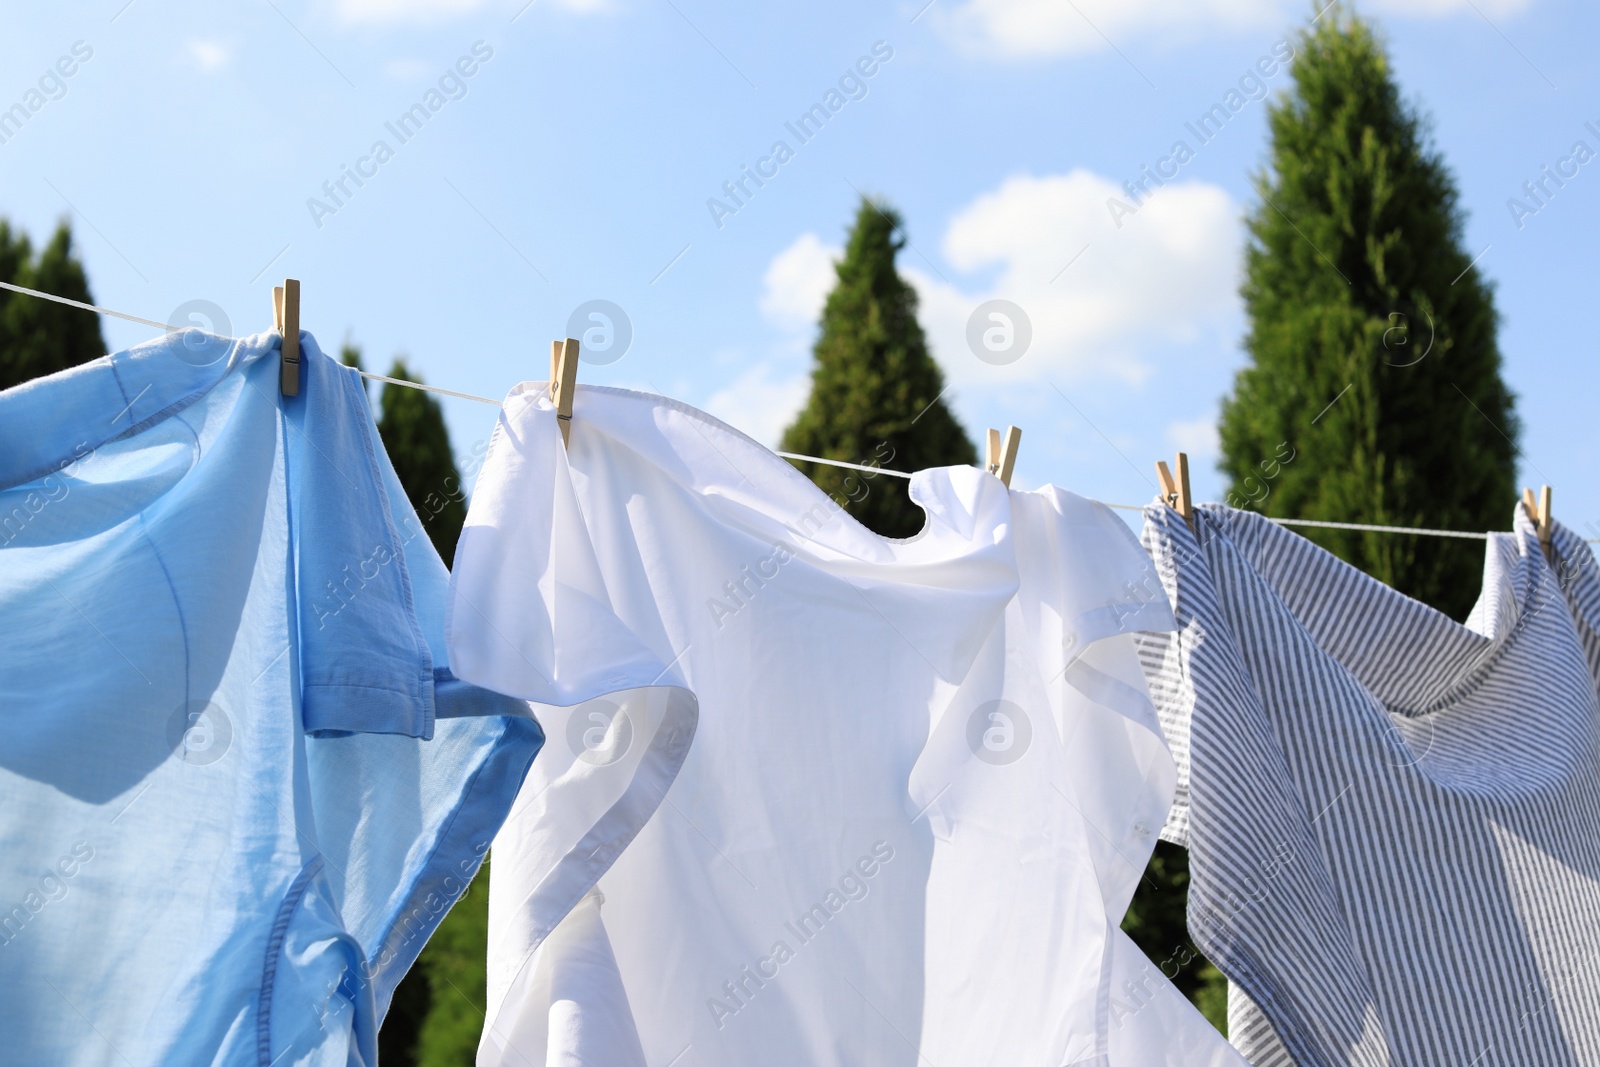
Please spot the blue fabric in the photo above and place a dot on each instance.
(239, 785)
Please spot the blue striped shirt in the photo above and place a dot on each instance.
(1393, 818)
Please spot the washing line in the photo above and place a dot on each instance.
(1362, 526)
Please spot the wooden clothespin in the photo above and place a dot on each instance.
(1001, 459)
(1541, 515)
(286, 320)
(563, 380)
(1176, 492)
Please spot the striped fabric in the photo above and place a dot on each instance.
(1393, 819)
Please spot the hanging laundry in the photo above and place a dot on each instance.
(225, 834)
(925, 775)
(1393, 819)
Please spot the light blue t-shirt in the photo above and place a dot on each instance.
(239, 786)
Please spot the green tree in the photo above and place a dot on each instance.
(1373, 392)
(456, 963)
(414, 435)
(876, 393)
(397, 1038)
(350, 355)
(436, 1015)
(39, 337)
(1157, 924)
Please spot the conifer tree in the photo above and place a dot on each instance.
(414, 434)
(1373, 392)
(350, 355)
(408, 1008)
(455, 963)
(436, 1015)
(39, 337)
(1157, 924)
(876, 393)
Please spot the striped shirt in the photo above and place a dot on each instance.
(1393, 819)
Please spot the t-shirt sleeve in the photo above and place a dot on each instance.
(365, 665)
(529, 611)
(530, 615)
(1085, 586)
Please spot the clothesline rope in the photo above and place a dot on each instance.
(90, 307)
(1368, 527)
(496, 403)
(428, 388)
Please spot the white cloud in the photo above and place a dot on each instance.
(209, 55)
(1165, 275)
(402, 11)
(1053, 28)
(407, 70)
(764, 399)
(433, 12)
(759, 403)
(1438, 8)
(797, 283)
(1198, 437)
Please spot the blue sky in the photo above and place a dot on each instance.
(578, 159)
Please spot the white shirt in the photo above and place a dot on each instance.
(924, 778)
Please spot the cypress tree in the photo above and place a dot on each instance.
(454, 963)
(875, 390)
(429, 1024)
(436, 1016)
(414, 434)
(408, 1008)
(350, 355)
(1373, 392)
(438, 1010)
(39, 337)
(1157, 924)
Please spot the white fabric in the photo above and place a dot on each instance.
(924, 781)
(572, 1008)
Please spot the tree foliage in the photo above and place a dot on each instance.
(876, 393)
(39, 337)
(1157, 924)
(456, 964)
(438, 1010)
(437, 1013)
(414, 434)
(1373, 392)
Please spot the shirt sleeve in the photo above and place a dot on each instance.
(529, 611)
(1085, 586)
(365, 665)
